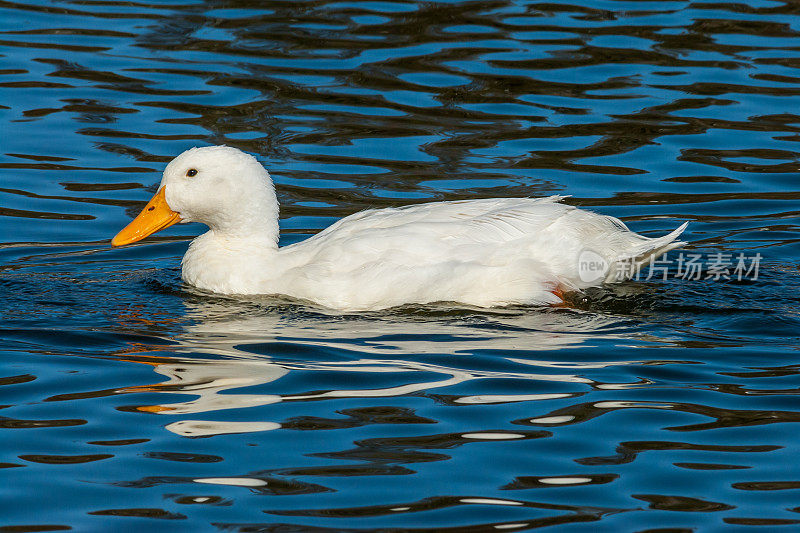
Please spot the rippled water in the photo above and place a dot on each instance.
(132, 401)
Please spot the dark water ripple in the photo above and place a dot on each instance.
(128, 400)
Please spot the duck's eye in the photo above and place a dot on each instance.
(192, 172)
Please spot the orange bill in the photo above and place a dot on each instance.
(155, 216)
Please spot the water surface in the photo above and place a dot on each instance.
(130, 400)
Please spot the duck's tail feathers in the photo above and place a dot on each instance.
(645, 253)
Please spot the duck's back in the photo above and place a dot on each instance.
(453, 218)
(481, 252)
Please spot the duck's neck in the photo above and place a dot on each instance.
(255, 219)
(231, 264)
(237, 255)
(261, 232)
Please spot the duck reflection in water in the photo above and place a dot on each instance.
(231, 344)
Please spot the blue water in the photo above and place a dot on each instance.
(129, 400)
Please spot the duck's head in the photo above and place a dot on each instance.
(222, 187)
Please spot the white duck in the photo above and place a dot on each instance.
(485, 253)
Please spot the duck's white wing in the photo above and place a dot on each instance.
(555, 231)
(487, 252)
(488, 220)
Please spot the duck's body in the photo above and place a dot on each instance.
(479, 252)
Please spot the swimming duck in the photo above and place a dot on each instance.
(486, 252)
